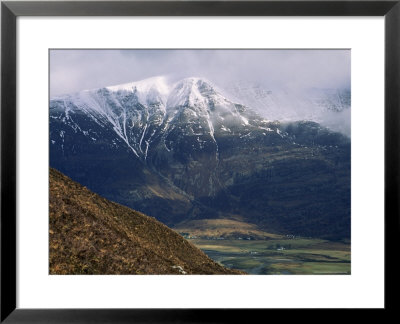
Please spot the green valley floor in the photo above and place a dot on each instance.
(286, 255)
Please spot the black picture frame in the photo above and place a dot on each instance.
(10, 10)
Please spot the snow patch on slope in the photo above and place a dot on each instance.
(148, 90)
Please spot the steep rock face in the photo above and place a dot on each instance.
(184, 151)
(92, 235)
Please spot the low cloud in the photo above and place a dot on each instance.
(74, 70)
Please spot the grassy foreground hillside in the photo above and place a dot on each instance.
(92, 235)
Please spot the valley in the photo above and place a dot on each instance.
(243, 246)
(300, 256)
(231, 181)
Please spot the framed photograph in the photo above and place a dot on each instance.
(191, 161)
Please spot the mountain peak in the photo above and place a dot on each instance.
(195, 81)
(142, 112)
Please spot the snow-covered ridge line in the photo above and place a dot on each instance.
(139, 112)
(155, 88)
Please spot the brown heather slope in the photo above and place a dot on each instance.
(92, 235)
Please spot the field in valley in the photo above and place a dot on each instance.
(285, 255)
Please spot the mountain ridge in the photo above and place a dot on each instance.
(203, 156)
(92, 235)
(138, 119)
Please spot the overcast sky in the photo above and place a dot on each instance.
(75, 70)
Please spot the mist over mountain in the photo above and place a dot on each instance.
(328, 106)
(184, 150)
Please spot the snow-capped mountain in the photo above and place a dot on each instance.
(187, 150)
(148, 110)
